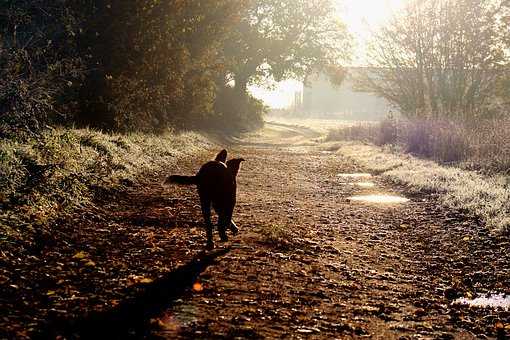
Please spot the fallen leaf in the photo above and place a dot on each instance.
(197, 287)
(80, 255)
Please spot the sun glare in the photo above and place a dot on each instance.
(364, 16)
(280, 97)
(361, 18)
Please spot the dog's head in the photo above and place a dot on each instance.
(232, 164)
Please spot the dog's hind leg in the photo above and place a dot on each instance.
(233, 228)
(206, 212)
(223, 223)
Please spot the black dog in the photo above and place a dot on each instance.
(216, 183)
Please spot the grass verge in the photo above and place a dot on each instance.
(43, 178)
(485, 196)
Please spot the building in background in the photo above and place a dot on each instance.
(321, 99)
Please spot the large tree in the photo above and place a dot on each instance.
(155, 62)
(112, 64)
(283, 39)
(439, 58)
(150, 64)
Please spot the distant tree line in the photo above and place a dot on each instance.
(147, 65)
(444, 59)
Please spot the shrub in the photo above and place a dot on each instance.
(388, 131)
(277, 236)
(444, 141)
(38, 64)
(360, 132)
(490, 146)
(237, 112)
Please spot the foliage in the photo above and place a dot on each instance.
(157, 62)
(277, 40)
(283, 39)
(119, 65)
(148, 65)
(238, 112)
(38, 68)
(439, 58)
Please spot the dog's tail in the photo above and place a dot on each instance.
(183, 180)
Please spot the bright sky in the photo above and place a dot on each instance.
(361, 17)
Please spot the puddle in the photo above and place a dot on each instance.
(364, 184)
(383, 199)
(489, 301)
(355, 175)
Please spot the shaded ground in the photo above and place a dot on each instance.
(308, 263)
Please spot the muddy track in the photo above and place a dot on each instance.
(311, 263)
(308, 262)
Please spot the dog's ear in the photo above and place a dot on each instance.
(234, 165)
(222, 156)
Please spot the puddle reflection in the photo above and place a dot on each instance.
(355, 175)
(383, 199)
(490, 301)
(364, 184)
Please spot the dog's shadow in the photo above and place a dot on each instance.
(131, 318)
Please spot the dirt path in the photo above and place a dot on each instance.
(310, 263)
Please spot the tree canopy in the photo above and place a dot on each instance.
(152, 64)
(283, 39)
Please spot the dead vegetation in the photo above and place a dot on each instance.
(483, 146)
(485, 196)
(276, 235)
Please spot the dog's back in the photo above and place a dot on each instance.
(216, 183)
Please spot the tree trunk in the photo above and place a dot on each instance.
(241, 85)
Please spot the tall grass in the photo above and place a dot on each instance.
(484, 146)
(490, 146)
(365, 132)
